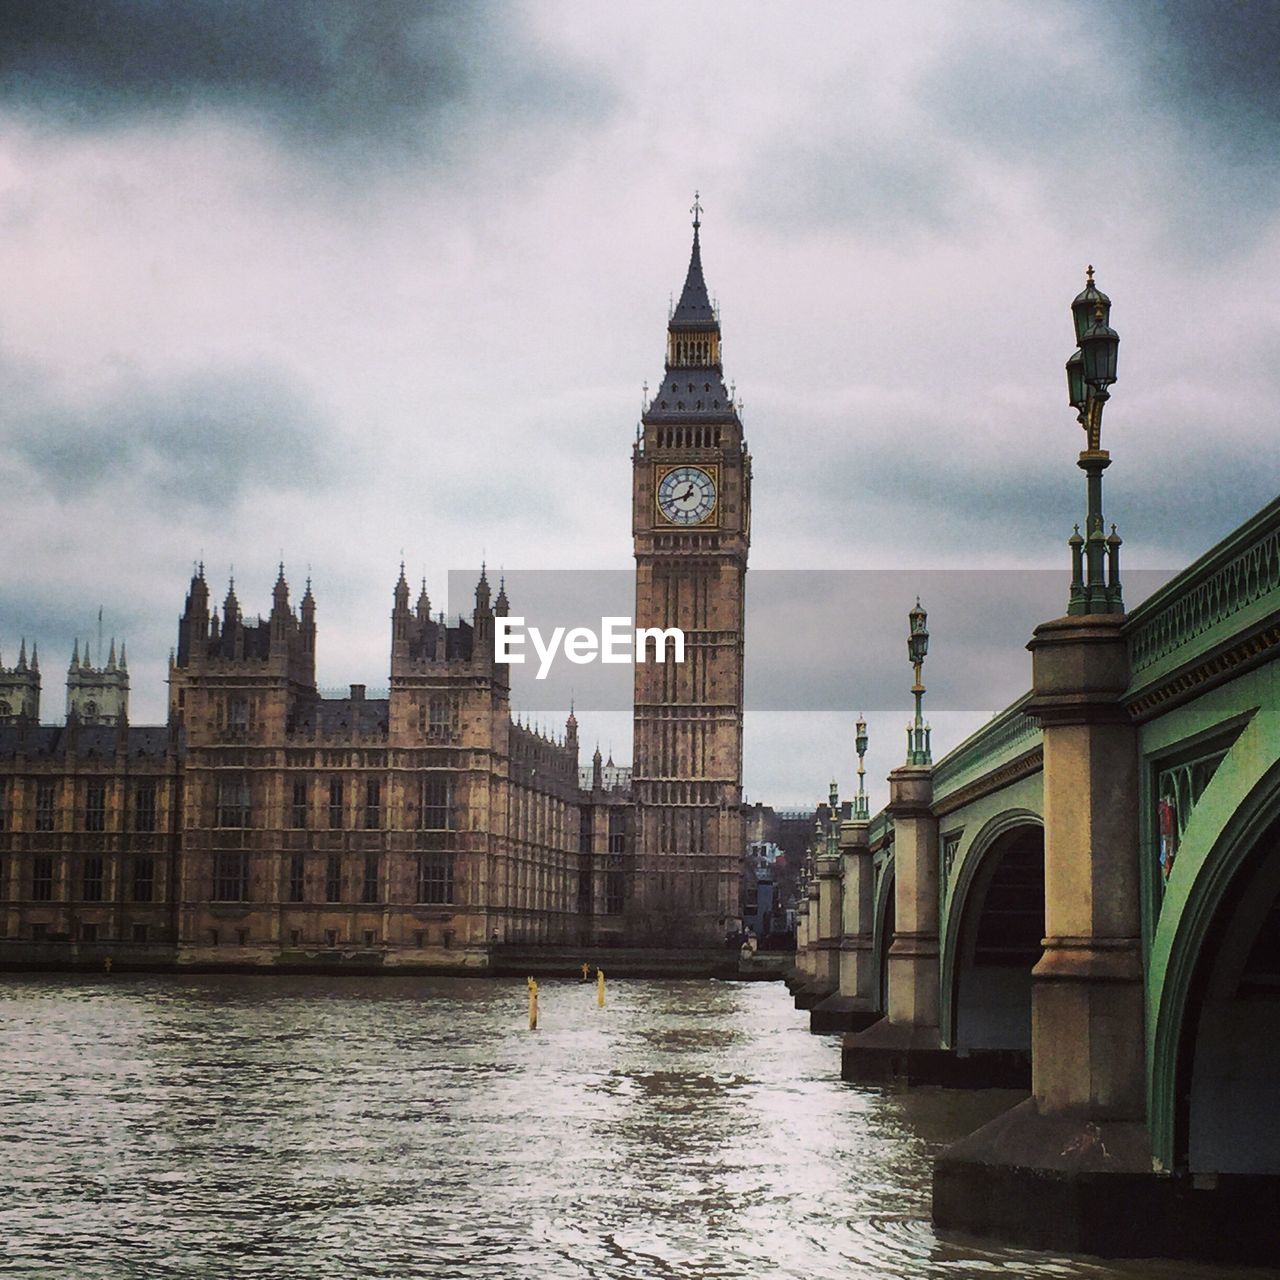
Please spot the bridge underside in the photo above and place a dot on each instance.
(1000, 943)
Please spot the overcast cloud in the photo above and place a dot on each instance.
(340, 282)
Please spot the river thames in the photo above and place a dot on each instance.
(396, 1127)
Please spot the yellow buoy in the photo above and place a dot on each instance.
(533, 1005)
(600, 987)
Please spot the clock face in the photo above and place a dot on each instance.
(687, 495)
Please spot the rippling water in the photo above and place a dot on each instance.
(305, 1127)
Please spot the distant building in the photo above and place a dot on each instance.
(763, 911)
(267, 824)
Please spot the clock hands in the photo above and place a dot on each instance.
(687, 505)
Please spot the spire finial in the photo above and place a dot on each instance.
(696, 210)
(1088, 274)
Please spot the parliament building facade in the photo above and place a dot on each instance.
(267, 825)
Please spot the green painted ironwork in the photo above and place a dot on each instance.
(1178, 788)
(950, 844)
(1091, 371)
(1240, 573)
(1009, 734)
(860, 811)
(1241, 801)
(919, 751)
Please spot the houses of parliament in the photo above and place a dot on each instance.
(265, 824)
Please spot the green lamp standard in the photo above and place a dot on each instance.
(860, 813)
(918, 751)
(1091, 370)
(833, 821)
(815, 848)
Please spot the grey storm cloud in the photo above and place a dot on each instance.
(976, 499)
(1214, 61)
(1209, 71)
(202, 438)
(1171, 109)
(323, 71)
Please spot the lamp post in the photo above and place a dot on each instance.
(813, 852)
(1091, 371)
(833, 821)
(860, 813)
(918, 751)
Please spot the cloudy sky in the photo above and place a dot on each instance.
(335, 282)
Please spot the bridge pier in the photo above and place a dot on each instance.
(813, 988)
(1071, 1167)
(801, 972)
(852, 1006)
(826, 946)
(905, 1045)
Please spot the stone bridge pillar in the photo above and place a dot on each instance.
(825, 940)
(1063, 1168)
(801, 974)
(806, 994)
(853, 1006)
(1087, 1002)
(906, 1044)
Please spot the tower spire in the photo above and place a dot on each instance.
(694, 309)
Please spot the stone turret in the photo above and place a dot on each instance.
(98, 695)
(20, 688)
(264, 669)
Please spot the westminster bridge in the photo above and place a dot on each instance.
(1083, 900)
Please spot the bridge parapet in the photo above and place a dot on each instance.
(880, 832)
(1218, 616)
(1008, 737)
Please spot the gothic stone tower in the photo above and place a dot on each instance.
(20, 689)
(98, 695)
(691, 523)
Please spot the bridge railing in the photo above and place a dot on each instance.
(1009, 734)
(1230, 593)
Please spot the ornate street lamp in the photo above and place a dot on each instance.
(918, 751)
(1091, 371)
(860, 812)
(833, 821)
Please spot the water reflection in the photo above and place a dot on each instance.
(255, 1127)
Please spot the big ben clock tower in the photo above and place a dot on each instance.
(691, 522)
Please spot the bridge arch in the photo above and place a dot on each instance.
(885, 923)
(993, 929)
(1214, 973)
